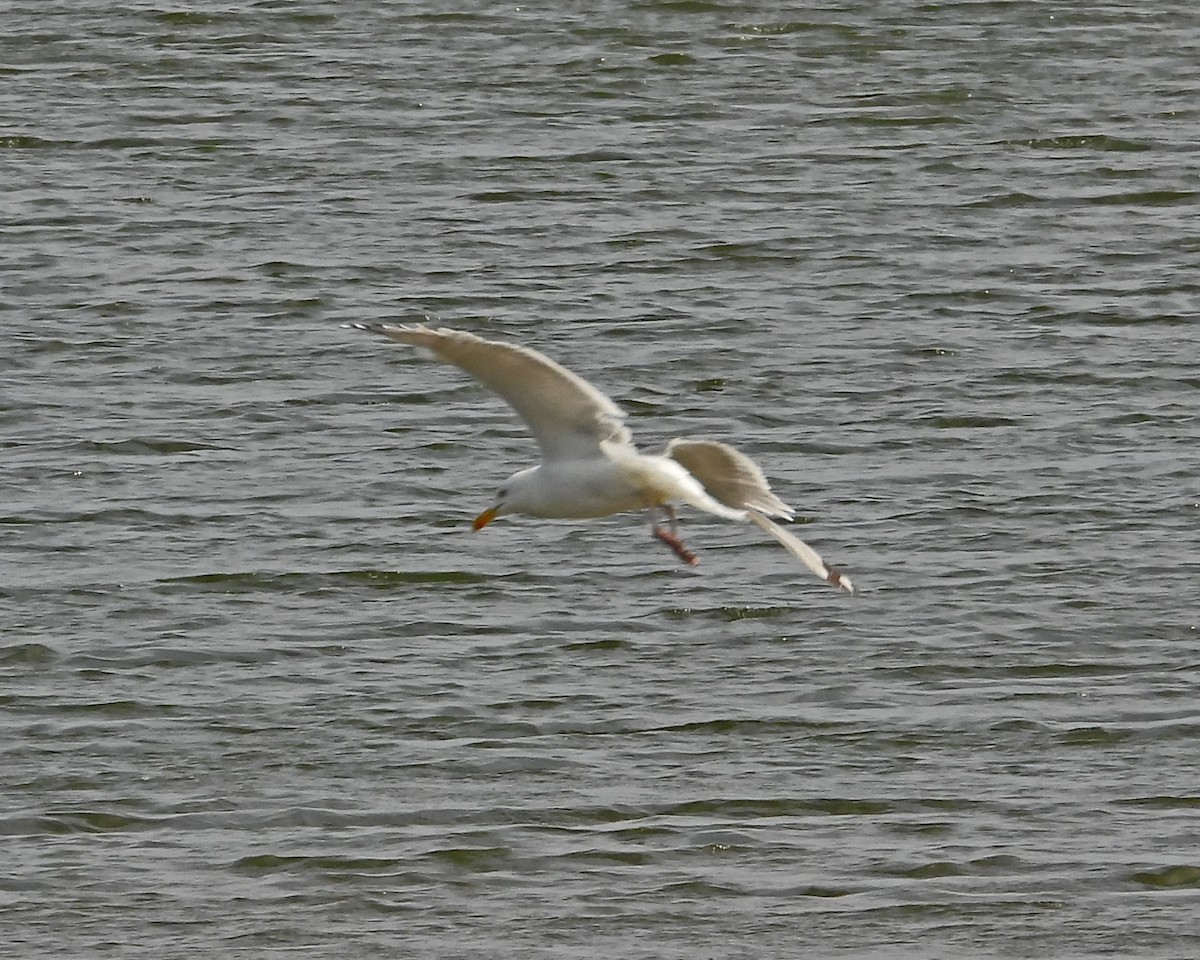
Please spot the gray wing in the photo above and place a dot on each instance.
(737, 481)
(728, 476)
(802, 552)
(568, 417)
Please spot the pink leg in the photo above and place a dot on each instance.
(670, 537)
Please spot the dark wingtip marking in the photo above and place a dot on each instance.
(838, 580)
(379, 328)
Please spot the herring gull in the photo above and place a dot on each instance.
(590, 467)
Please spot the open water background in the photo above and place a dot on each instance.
(264, 693)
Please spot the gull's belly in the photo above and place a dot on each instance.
(585, 489)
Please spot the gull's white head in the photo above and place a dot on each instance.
(516, 495)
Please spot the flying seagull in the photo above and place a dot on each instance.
(590, 467)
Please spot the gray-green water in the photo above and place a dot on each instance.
(265, 694)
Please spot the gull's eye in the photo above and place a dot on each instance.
(503, 494)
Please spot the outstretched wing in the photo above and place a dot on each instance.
(737, 481)
(802, 552)
(568, 417)
(728, 476)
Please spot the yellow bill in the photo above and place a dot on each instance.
(485, 518)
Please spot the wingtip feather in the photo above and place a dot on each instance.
(802, 552)
(839, 579)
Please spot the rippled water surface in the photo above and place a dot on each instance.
(265, 693)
